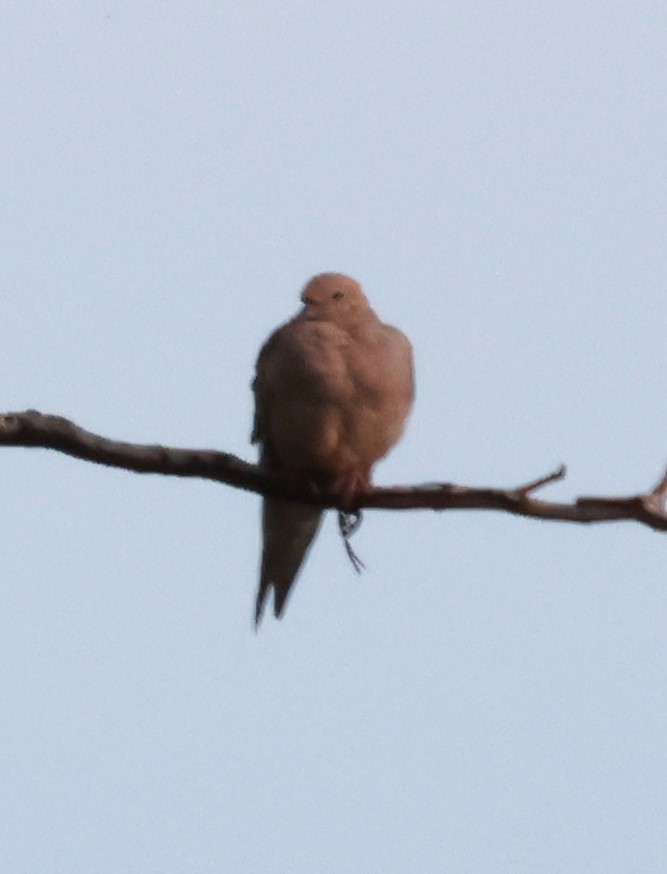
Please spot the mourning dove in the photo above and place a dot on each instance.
(333, 388)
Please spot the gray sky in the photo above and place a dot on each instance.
(490, 695)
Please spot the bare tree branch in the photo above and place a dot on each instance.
(31, 429)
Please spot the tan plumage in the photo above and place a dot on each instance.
(333, 389)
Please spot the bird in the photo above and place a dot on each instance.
(333, 389)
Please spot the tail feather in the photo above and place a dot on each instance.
(288, 531)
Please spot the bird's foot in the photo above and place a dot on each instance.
(348, 487)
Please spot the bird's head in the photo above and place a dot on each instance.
(333, 297)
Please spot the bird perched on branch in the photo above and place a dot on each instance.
(333, 389)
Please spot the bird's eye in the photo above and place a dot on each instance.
(305, 299)
(337, 295)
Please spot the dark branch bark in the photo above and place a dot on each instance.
(54, 432)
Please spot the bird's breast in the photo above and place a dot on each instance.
(339, 408)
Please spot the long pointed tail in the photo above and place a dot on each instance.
(288, 531)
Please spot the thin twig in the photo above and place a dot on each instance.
(543, 481)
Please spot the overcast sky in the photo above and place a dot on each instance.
(489, 696)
